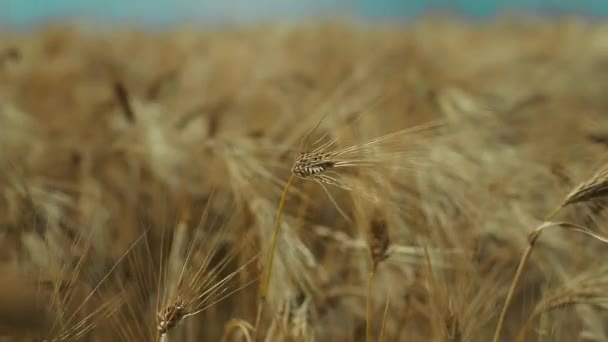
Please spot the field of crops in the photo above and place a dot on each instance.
(320, 181)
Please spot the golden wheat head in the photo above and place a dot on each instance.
(379, 241)
(594, 188)
(172, 314)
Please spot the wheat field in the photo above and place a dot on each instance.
(314, 181)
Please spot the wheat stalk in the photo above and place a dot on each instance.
(384, 316)
(270, 260)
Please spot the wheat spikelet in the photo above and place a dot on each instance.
(189, 302)
(193, 278)
(594, 188)
(379, 240)
(363, 168)
(391, 151)
(205, 293)
(171, 316)
(198, 283)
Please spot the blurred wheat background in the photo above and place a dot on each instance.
(339, 171)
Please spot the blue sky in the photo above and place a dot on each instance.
(152, 12)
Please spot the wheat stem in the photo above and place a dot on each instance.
(554, 212)
(518, 273)
(258, 318)
(520, 270)
(384, 316)
(273, 246)
(368, 308)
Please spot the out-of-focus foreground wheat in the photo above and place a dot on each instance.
(140, 173)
